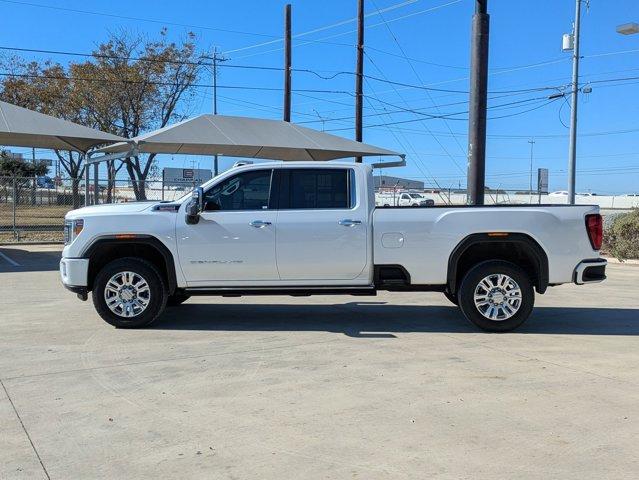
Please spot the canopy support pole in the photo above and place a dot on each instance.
(96, 184)
(86, 184)
(96, 161)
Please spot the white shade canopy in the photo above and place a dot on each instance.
(245, 137)
(21, 127)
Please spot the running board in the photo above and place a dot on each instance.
(292, 291)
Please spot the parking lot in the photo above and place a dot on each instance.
(393, 386)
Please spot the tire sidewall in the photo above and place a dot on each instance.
(156, 285)
(475, 275)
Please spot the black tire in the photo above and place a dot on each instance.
(177, 299)
(157, 292)
(452, 298)
(471, 281)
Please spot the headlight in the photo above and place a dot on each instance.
(72, 229)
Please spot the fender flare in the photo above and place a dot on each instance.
(146, 240)
(531, 245)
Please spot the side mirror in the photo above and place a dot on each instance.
(195, 206)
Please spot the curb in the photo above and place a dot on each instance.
(13, 244)
(630, 261)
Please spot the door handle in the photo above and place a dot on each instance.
(259, 224)
(347, 222)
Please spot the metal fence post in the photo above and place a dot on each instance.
(14, 205)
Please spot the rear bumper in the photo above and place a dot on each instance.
(590, 271)
(73, 272)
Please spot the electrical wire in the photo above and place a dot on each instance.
(196, 85)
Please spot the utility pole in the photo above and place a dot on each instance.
(359, 74)
(478, 101)
(216, 58)
(572, 148)
(532, 144)
(287, 63)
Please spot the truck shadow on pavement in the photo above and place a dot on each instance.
(381, 320)
(18, 260)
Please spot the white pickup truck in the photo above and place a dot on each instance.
(304, 228)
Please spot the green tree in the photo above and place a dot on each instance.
(20, 168)
(19, 174)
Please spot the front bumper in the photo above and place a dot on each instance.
(74, 272)
(590, 271)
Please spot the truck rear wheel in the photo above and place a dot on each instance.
(129, 293)
(497, 296)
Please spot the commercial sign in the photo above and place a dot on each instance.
(185, 177)
(542, 180)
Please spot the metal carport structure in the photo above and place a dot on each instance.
(242, 137)
(21, 127)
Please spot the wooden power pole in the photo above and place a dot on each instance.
(478, 102)
(359, 74)
(287, 63)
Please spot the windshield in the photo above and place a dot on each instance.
(415, 195)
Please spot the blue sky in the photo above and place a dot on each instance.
(422, 42)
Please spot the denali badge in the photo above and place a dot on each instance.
(217, 261)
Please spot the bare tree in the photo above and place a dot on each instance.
(130, 85)
(146, 81)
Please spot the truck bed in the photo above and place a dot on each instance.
(423, 238)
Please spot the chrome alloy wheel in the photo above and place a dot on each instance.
(498, 297)
(127, 294)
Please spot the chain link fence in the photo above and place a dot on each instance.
(33, 209)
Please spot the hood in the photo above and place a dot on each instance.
(111, 209)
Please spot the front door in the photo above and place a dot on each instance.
(321, 225)
(234, 240)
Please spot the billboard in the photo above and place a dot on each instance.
(542, 180)
(185, 177)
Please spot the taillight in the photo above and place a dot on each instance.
(594, 227)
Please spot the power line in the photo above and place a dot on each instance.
(419, 79)
(440, 117)
(423, 124)
(266, 68)
(430, 9)
(320, 29)
(196, 85)
(137, 19)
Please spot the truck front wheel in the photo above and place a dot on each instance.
(129, 293)
(497, 296)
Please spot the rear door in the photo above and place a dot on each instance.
(321, 224)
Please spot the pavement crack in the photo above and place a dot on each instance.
(35, 450)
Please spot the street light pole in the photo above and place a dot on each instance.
(572, 147)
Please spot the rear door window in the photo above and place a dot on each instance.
(316, 188)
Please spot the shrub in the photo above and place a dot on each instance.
(621, 235)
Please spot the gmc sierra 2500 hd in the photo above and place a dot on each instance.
(304, 228)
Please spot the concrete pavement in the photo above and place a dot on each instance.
(396, 386)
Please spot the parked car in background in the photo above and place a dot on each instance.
(560, 193)
(402, 199)
(45, 181)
